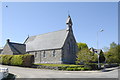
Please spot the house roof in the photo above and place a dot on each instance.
(17, 47)
(51, 40)
(97, 51)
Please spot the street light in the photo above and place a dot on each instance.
(98, 47)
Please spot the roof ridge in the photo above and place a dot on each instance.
(47, 33)
(16, 43)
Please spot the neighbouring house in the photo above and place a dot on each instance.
(99, 52)
(53, 47)
(12, 48)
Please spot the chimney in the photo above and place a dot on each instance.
(8, 40)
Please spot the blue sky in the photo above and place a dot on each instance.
(21, 19)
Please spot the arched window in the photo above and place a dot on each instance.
(68, 47)
(44, 54)
(35, 54)
(53, 53)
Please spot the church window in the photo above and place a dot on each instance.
(44, 54)
(68, 47)
(35, 54)
(53, 53)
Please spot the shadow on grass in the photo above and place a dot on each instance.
(10, 77)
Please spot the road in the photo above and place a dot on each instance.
(43, 73)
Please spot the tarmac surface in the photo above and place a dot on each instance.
(22, 72)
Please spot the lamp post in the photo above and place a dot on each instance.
(98, 47)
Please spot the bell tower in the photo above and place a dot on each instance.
(69, 23)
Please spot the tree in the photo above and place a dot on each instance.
(102, 57)
(113, 55)
(113, 45)
(82, 46)
(85, 56)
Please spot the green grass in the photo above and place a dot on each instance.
(58, 65)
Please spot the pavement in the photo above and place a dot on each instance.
(22, 72)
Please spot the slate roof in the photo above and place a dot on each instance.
(17, 47)
(97, 51)
(51, 40)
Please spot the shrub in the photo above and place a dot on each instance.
(28, 60)
(6, 59)
(87, 68)
(82, 69)
(17, 60)
(70, 69)
(93, 66)
(78, 69)
(64, 67)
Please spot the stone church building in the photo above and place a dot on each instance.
(53, 47)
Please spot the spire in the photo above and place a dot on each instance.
(69, 23)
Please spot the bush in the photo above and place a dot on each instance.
(28, 60)
(5, 59)
(87, 68)
(92, 66)
(70, 69)
(78, 69)
(67, 67)
(17, 60)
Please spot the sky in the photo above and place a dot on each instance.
(20, 19)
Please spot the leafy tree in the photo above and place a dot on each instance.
(113, 55)
(85, 56)
(82, 46)
(113, 45)
(102, 57)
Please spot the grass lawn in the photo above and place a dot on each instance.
(56, 65)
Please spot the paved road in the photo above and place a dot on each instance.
(42, 73)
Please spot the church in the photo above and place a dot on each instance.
(56, 47)
(53, 47)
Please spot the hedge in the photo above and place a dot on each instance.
(6, 59)
(94, 66)
(17, 60)
(67, 67)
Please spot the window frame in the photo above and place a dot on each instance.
(35, 54)
(53, 53)
(44, 54)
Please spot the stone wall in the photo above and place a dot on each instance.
(69, 49)
(47, 56)
(7, 50)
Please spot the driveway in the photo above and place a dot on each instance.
(21, 72)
